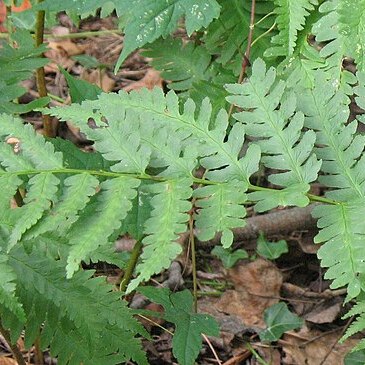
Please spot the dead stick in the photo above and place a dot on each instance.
(277, 222)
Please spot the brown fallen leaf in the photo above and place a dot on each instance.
(67, 46)
(256, 287)
(99, 78)
(325, 312)
(150, 80)
(311, 347)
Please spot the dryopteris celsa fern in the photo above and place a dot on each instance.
(161, 117)
(89, 219)
(153, 146)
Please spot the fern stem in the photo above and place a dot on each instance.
(40, 75)
(137, 249)
(311, 197)
(14, 348)
(196, 180)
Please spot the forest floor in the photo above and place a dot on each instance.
(237, 297)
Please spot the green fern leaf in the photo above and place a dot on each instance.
(224, 36)
(41, 192)
(270, 116)
(221, 210)
(301, 68)
(12, 161)
(8, 298)
(341, 29)
(82, 309)
(163, 112)
(291, 18)
(343, 166)
(32, 145)
(191, 70)
(92, 230)
(168, 153)
(148, 21)
(115, 138)
(183, 64)
(77, 191)
(351, 25)
(168, 219)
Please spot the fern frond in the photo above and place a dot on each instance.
(168, 218)
(82, 309)
(83, 7)
(163, 112)
(8, 298)
(291, 18)
(92, 230)
(17, 64)
(270, 116)
(327, 111)
(148, 21)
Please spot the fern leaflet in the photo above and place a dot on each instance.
(290, 20)
(269, 115)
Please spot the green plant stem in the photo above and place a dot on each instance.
(137, 249)
(264, 34)
(57, 98)
(97, 33)
(40, 75)
(257, 356)
(265, 17)
(14, 348)
(153, 178)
